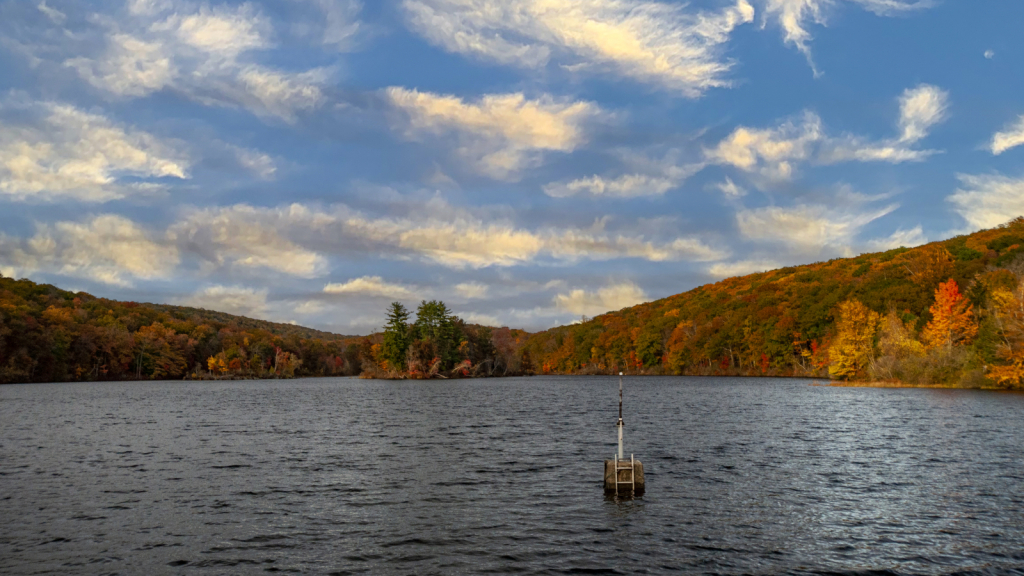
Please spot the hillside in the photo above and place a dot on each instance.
(946, 313)
(784, 322)
(52, 335)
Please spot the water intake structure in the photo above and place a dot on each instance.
(622, 475)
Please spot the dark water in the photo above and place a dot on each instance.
(352, 476)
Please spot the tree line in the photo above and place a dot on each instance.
(946, 313)
(439, 344)
(52, 335)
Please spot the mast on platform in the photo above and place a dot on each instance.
(621, 474)
(620, 423)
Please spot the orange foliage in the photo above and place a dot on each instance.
(952, 318)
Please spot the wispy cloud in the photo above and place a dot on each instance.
(808, 228)
(107, 248)
(656, 43)
(240, 300)
(50, 151)
(1010, 137)
(297, 239)
(208, 54)
(652, 177)
(900, 238)
(605, 299)
(795, 16)
(741, 268)
(250, 237)
(920, 109)
(371, 286)
(775, 153)
(988, 200)
(501, 134)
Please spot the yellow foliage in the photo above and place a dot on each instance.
(897, 339)
(854, 342)
(55, 315)
(1009, 311)
(1009, 375)
(217, 363)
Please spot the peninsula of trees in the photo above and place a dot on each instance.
(948, 313)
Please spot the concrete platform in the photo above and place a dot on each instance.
(609, 476)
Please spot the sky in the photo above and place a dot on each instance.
(528, 162)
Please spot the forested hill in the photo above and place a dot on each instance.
(213, 317)
(52, 335)
(873, 316)
(949, 313)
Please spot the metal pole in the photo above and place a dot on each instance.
(620, 423)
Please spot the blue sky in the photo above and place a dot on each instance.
(529, 162)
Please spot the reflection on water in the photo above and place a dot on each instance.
(347, 476)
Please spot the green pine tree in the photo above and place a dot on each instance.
(396, 337)
(435, 323)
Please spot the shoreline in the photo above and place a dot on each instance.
(884, 384)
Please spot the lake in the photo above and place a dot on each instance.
(347, 476)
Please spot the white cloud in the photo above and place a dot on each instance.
(920, 109)
(1010, 137)
(627, 186)
(807, 228)
(256, 162)
(741, 268)
(238, 300)
(251, 237)
(794, 16)
(730, 189)
(371, 286)
(502, 134)
(482, 319)
(989, 54)
(206, 54)
(296, 238)
(55, 16)
(471, 290)
(652, 177)
(986, 201)
(605, 299)
(340, 22)
(770, 151)
(74, 154)
(900, 238)
(650, 42)
(775, 153)
(279, 94)
(131, 67)
(106, 248)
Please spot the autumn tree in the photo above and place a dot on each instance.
(396, 337)
(1008, 306)
(897, 347)
(853, 346)
(952, 318)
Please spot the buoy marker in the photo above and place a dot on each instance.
(621, 475)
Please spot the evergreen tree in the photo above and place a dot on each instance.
(396, 337)
(437, 325)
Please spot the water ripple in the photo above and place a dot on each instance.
(344, 476)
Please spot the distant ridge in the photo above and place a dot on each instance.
(52, 335)
(782, 322)
(279, 328)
